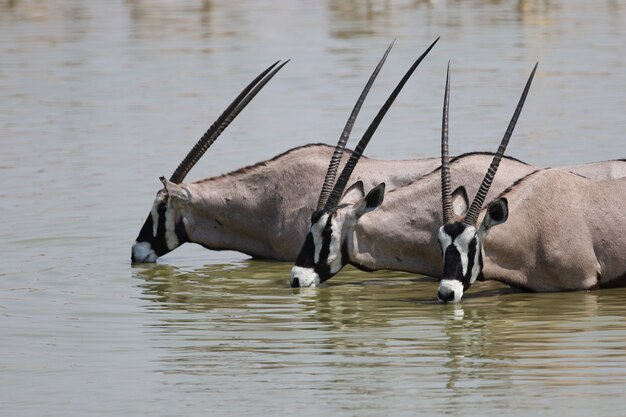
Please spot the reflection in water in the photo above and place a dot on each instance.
(9, 4)
(245, 314)
(152, 21)
(353, 19)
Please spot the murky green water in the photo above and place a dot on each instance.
(97, 99)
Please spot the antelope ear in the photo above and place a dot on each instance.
(371, 202)
(497, 213)
(175, 192)
(353, 194)
(460, 203)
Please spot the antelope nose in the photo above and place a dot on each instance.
(445, 295)
(295, 283)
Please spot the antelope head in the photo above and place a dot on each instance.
(324, 252)
(164, 229)
(459, 237)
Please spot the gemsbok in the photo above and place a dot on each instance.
(552, 230)
(262, 210)
(402, 233)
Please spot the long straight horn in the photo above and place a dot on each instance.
(329, 180)
(446, 188)
(340, 186)
(240, 102)
(472, 214)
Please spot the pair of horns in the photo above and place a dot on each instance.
(330, 195)
(471, 217)
(222, 122)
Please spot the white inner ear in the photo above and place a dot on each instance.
(353, 194)
(177, 192)
(459, 204)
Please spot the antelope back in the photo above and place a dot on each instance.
(555, 231)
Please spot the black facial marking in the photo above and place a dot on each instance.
(322, 268)
(452, 267)
(316, 216)
(157, 243)
(145, 234)
(454, 229)
(161, 229)
(306, 257)
(181, 233)
(470, 264)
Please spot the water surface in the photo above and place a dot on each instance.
(97, 100)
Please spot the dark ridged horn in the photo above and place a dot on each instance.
(446, 188)
(223, 121)
(340, 185)
(331, 173)
(472, 214)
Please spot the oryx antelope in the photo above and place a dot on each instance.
(402, 233)
(552, 230)
(319, 248)
(261, 210)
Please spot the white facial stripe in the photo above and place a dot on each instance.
(444, 239)
(462, 245)
(306, 276)
(463, 255)
(476, 266)
(171, 240)
(334, 255)
(316, 232)
(447, 285)
(155, 218)
(142, 252)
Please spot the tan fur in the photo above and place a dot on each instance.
(264, 210)
(402, 233)
(563, 232)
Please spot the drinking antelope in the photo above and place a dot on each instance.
(261, 210)
(552, 230)
(401, 234)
